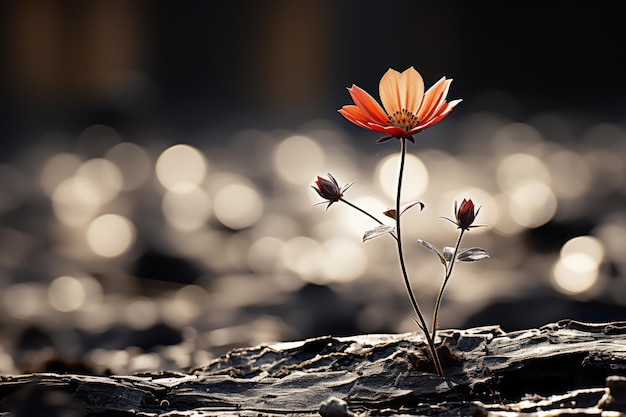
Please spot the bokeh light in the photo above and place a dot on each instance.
(104, 177)
(570, 278)
(297, 159)
(612, 234)
(181, 167)
(141, 312)
(517, 169)
(75, 201)
(304, 256)
(415, 174)
(238, 206)
(264, 254)
(588, 245)
(532, 204)
(133, 162)
(185, 305)
(58, 169)
(66, 294)
(344, 259)
(516, 137)
(110, 235)
(24, 300)
(187, 210)
(570, 174)
(576, 270)
(506, 225)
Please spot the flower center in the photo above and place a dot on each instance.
(404, 119)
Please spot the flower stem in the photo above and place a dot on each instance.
(421, 323)
(366, 213)
(444, 283)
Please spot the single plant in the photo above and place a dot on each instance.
(406, 110)
(465, 215)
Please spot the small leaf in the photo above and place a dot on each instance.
(415, 203)
(377, 231)
(472, 255)
(392, 212)
(434, 249)
(448, 252)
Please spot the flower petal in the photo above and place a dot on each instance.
(389, 91)
(401, 91)
(354, 114)
(413, 89)
(452, 104)
(432, 99)
(441, 105)
(368, 105)
(366, 125)
(391, 130)
(446, 110)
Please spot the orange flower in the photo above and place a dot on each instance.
(407, 109)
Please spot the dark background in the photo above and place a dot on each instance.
(185, 65)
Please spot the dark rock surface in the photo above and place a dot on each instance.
(565, 368)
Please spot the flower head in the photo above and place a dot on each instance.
(465, 215)
(329, 189)
(406, 109)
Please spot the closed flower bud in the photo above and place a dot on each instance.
(465, 214)
(329, 189)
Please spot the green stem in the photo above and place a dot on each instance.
(444, 283)
(421, 323)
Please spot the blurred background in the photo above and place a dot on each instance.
(157, 158)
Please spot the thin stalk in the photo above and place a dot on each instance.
(407, 283)
(444, 283)
(366, 213)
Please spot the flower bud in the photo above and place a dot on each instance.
(329, 189)
(465, 214)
